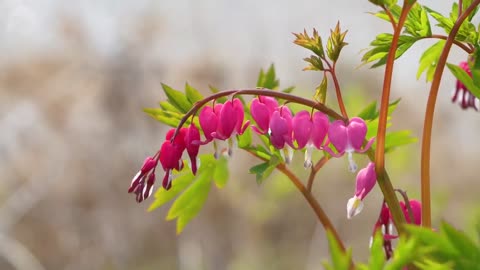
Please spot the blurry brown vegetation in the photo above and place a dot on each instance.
(72, 134)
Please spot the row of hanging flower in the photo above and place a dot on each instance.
(286, 131)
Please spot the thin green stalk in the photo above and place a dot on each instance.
(429, 113)
(382, 178)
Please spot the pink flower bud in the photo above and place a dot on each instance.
(366, 179)
(208, 118)
(309, 131)
(192, 140)
(416, 207)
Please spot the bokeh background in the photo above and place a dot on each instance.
(75, 75)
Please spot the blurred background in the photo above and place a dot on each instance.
(75, 75)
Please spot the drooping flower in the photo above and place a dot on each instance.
(192, 143)
(262, 109)
(416, 208)
(208, 119)
(230, 120)
(366, 179)
(171, 155)
(281, 132)
(138, 186)
(348, 139)
(309, 131)
(465, 98)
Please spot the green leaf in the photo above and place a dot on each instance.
(163, 196)
(169, 118)
(381, 45)
(417, 23)
(177, 98)
(245, 140)
(340, 260)
(263, 170)
(321, 91)
(220, 174)
(189, 203)
(268, 80)
(398, 138)
(429, 60)
(370, 112)
(167, 106)
(313, 43)
(377, 257)
(335, 43)
(463, 76)
(193, 95)
(289, 89)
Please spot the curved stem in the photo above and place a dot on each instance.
(429, 113)
(321, 215)
(463, 46)
(314, 172)
(389, 14)
(341, 104)
(261, 92)
(382, 179)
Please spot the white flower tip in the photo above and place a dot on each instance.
(352, 166)
(307, 164)
(354, 207)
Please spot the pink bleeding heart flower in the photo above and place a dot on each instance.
(171, 155)
(138, 186)
(192, 143)
(464, 96)
(230, 120)
(385, 222)
(416, 207)
(262, 109)
(309, 131)
(281, 131)
(366, 179)
(348, 139)
(208, 119)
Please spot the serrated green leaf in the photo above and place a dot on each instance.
(429, 60)
(417, 23)
(190, 202)
(177, 98)
(381, 46)
(220, 174)
(163, 196)
(321, 91)
(268, 79)
(463, 76)
(193, 95)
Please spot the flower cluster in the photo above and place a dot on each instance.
(223, 122)
(170, 157)
(385, 221)
(465, 98)
(308, 130)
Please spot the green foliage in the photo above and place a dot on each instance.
(192, 190)
(393, 139)
(463, 76)
(335, 43)
(429, 60)
(381, 45)
(268, 79)
(321, 91)
(313, 43)
(263, 170)
(417, 23)
(192, 94)
(178, 99)
(340, 260)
